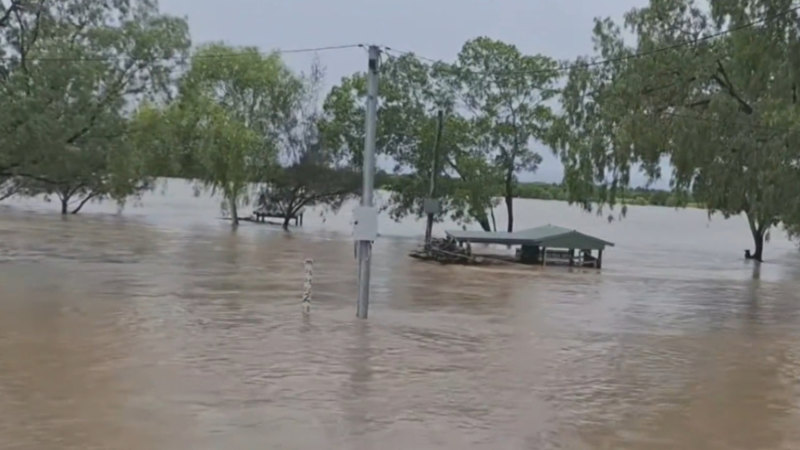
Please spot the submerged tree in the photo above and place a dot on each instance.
(227, 121)
(309, 181)
(70, 71)
(411, 95)
(506, 93)
(721, 106)
(309, 172)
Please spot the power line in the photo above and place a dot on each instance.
(321, 49)
(198, 56)
(566, 67)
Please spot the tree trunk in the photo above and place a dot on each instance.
(510, 208)
(82, 203)
(758, 230)
(509, 194)
(64, 205)
(758, 239)
(286, 219)
(483, 220)
(494, 222)
(234, 212)
(6, 194)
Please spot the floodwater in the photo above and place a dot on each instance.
(161, 329)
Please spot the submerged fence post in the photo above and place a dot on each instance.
(309, 268)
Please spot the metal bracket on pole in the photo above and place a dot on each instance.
(363, 231)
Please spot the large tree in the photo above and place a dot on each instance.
(411, 94)
(715, 91)
(70, 72)
(506, 93)
(309, 173)
(228, 120)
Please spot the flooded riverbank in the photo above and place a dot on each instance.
(161, 328)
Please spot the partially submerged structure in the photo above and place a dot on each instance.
(263, 212)
(542, 245)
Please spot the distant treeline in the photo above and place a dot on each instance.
(556, 191)
(633, 196)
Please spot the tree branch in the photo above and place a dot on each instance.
(704, 102)
(121, 83)
(728, 86)
(38, 178)
(37, 24)
(82, 132)
(23, 52)
(83, 202)
(79, 27)
(8, 193)
(11, 10)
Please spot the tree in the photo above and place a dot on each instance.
(411, 94)
(721, 106)
(226, 151)
(228, 120)
(466, 182)
(70, 71)
(506, 91)
(309, 181)
(310, 173)
(7, 188)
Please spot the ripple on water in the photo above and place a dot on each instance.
(167, 331)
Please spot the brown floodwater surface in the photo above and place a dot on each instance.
(161, 329)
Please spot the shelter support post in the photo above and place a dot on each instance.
(600, 259)
(571, 257)
(544, 256)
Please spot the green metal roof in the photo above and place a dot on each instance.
(550, 236)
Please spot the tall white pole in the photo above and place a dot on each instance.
(365, 247)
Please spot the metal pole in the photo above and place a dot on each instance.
(365, 247)
(434, 173)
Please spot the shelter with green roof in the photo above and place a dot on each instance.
(543, 245)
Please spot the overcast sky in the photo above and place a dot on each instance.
(431, 28)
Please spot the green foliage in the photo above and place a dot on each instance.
(411, 94)
(307, 183)
(723, 111)
(228, 120)
(310, 173)
(493, 98)
(70, 71)
(506, 92)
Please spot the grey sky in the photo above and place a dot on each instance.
(431, 28)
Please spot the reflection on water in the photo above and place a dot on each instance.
(161, 328)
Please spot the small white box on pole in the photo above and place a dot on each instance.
(365, 223)
(431, 206)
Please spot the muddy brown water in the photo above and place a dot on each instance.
(161, 329)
